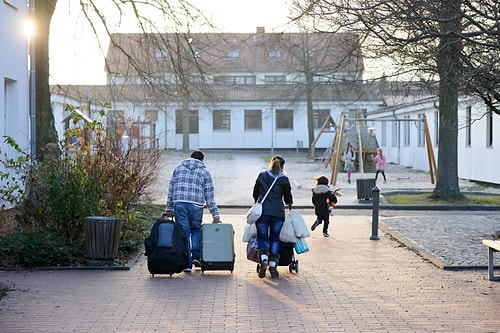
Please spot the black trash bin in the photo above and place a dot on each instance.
(364, 188)
(103, 236)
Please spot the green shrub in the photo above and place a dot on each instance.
(89, 173)
(39, 248)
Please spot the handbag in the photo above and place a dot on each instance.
(301, 245)
(255, 211)
(253, 250)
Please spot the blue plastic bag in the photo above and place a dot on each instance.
(301, 245)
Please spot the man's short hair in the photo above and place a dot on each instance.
(198, 154)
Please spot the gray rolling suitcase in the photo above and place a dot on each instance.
(217, 247)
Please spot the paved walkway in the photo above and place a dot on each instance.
(346, 283)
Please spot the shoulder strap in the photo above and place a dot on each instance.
(270, 187)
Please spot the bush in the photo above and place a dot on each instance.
(89, 173)
(37, 248)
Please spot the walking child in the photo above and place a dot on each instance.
(322, 198)
(349, 158)
(379, 160)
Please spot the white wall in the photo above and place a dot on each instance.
(238, 138)
(475, 162)
(14, 87)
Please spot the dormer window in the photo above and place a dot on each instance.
(274, 54)
(233, 54)
(161, 54)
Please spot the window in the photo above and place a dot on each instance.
(222, 120)
(406, 131)
(319, 117)
(253, 119)
(274, 54)
(195, 79)
(383, 135)
(7, 119)
(116, 123)
(151, 115)
(489, 128)
(420, 129)
(193, 121)
(284, 119)
(222, 79)
(319, 78)
(233, 54)
(395, 134)
(161, 54)
(271, 79)
(468, 124)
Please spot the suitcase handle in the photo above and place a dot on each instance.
(165, 217)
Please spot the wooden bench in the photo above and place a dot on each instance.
(493, 246)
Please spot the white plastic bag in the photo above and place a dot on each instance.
(287, 233)
(249, 232)
(300, 227)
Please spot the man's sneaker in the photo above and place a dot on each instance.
(315, 224)
(196, 263)
(187, 270)
(326, 234)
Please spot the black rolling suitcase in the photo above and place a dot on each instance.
(217, 247)
(166, 248)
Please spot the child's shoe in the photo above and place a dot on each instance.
(315, 224)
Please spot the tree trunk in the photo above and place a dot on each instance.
(448, 67)
(45, 128)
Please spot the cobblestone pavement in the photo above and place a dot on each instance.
(345, 283)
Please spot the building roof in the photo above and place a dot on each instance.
(289, 93)
(133, 53)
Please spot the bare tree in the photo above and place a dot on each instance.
(454, 42)
(152, 16)
(322, 59)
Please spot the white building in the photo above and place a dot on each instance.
(243, 90)
(403, 142)
(14, 85)
(250, 91)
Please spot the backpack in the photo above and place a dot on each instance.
(166, 248)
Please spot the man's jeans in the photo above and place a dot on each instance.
(268, 233)
(190, 216)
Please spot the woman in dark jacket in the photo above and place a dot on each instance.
(273, 213)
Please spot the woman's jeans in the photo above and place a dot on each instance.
(190, 216)
(268, 233)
